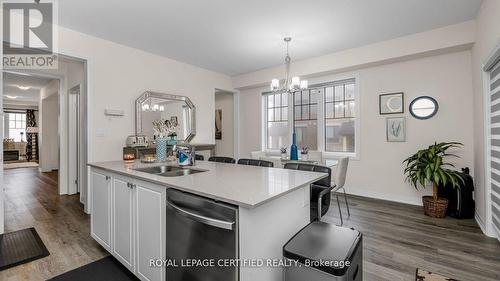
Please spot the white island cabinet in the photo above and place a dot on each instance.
(129, 212)
(128, 220)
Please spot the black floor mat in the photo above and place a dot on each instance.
(20, 247)
(106, 269)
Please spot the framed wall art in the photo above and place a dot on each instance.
(391, 103)
(396, 129)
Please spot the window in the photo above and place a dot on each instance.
(277, 135)
(17, 126)
(340, 117)
(306, 118)
(324, 116)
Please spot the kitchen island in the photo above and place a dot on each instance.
(129, 208)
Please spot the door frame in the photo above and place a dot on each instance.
(236, 120)
(74, 184)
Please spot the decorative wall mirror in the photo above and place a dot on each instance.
(151, 106)
(424, 107)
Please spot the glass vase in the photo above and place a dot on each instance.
(161, 149)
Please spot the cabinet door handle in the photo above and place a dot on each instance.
(130, 185)
(108, 178)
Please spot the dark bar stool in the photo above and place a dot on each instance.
(320, 190)
(255, 162)
(222, 159)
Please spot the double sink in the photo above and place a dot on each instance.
(169, 171)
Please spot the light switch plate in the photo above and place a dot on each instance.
(114, 112)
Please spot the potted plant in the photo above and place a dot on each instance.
(429, 166)
(304, 153)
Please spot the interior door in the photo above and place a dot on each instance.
(74, 140)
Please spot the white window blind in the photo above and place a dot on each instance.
(494, 75)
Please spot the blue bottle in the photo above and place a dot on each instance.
(294, 153)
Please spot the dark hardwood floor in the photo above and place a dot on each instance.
(31, 200)
(398, 238)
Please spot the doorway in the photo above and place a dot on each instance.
(32, 106)
(226, 123)
(60, 132)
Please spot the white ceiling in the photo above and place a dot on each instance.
(240, 36)
(23, 97)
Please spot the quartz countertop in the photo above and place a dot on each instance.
(245, 186)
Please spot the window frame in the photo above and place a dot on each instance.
(16, 121)
(357, 117)
(321, 120)
(264, 114)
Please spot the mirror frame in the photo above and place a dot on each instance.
(150, 94)
(433, 100)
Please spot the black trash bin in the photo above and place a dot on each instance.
(322, 251)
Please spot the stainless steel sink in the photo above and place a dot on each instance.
(169, 171)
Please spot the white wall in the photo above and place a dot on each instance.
(120, 74)
(488, 36)
(225, 102)
(437, 41)
(379, 172)
(49, 127)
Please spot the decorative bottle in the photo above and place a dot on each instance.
(294, 154)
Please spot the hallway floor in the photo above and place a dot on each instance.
(31, 200)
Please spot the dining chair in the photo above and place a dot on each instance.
(257, 154)
(199, 157)
(222, 159)
(255, 162)
(320, 190)
(339, 181)
(316, 156)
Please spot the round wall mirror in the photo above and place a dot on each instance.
(423, 107)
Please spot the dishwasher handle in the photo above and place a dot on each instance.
(202, 219)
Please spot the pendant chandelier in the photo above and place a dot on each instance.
(290, 85)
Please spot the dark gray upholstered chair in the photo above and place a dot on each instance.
(222, 159)
(255, 162)
(320, 190)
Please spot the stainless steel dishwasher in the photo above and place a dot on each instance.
(200, 230)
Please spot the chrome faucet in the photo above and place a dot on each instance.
(185, 154)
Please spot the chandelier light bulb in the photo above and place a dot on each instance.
(295, 82)
(304, 84)
(275, 84)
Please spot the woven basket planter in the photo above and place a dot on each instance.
(435, 209)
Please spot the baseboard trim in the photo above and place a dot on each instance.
(481, 223)
(377, 195)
